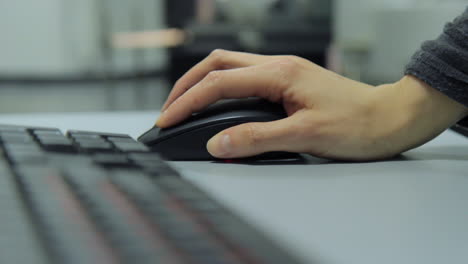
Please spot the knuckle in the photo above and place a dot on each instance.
(217, 57)
(287, 69)
(213, 78)
(293, 58)
(288, 64)
(217, 52)
(299, 61)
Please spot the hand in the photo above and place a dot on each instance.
(328, 115)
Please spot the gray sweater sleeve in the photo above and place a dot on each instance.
(443, 63)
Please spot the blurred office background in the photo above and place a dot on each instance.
(100, 55)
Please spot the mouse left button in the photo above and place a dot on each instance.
(150, 136)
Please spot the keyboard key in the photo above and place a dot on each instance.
(78, 133)
(112, 160)
(122, 139)
(188, 194)
(12, 128)
(22, 153)
(55, 140)
(152, 163)
(147, 157)
(16, 137)
(138, 186)
(48, 132)
(79, 137)
(95, 145)
(85, 140)
(21, 132)
(130, 146)
(20, 147)
(57, 143)
(51, 136)
(28, 157)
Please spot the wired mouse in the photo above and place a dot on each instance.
(187, 140)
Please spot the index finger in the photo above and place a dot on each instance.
(217, 60)
(256, 81)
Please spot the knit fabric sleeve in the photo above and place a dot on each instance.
(443, 63)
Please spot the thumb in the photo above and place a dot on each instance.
(251, 139)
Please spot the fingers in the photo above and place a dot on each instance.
(251, 139)
(217, 60)
(267, 81)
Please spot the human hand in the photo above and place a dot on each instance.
(328, 115)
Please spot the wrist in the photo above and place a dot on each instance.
(414, 113)
(431, 109)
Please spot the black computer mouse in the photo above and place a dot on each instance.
(187, 140)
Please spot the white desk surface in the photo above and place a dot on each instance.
(409, 210)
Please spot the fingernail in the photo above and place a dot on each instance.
(220, 146)
(160, 117)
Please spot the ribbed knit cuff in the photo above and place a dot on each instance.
(443, 63)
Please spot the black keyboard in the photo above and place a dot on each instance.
(88, 197)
